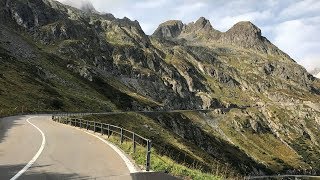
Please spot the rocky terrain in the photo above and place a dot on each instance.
(58, 58)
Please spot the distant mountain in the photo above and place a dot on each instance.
(243, 34)
(58, 58)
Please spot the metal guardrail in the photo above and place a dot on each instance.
(107, 129)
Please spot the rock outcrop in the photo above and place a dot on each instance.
(169, 29)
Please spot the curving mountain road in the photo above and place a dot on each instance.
(60, 152)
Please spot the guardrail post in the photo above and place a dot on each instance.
(87, 125)
(80, 123)
(94, 126)
(148, 155)
(101, 129)
(134, 142)
(108, 130)
(121, 136)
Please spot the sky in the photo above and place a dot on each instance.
(292, 25)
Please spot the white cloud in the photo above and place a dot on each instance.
(150, 4)
(311, 61)
(227, 22)
(147, 27)
(300, 40)
(305, 7)
(184, 10)
(76, 4)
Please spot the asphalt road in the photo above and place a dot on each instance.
(66, 153)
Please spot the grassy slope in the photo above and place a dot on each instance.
(172, 147)
(166, 129)
(163, 163)
(25, 87)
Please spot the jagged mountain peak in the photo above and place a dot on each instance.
(175, 28)
(203, 23)
(245, 27)
(169, 29)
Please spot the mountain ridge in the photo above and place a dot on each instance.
(243, 34)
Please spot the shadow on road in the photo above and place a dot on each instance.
(33, 173)
(152, 175)
(7, 123)
(8, 171)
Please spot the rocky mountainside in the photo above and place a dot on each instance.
(58, 58)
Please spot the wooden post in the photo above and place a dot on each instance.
(94, 126)
(80, 123)
(101, 129)
(148, 155)
(134, 142)
(87, 125)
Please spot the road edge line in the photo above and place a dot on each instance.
(36, 156)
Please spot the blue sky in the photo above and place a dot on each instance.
(292, 25)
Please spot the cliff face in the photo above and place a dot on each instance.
(86, 57)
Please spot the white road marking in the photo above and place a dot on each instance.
(35, 157)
